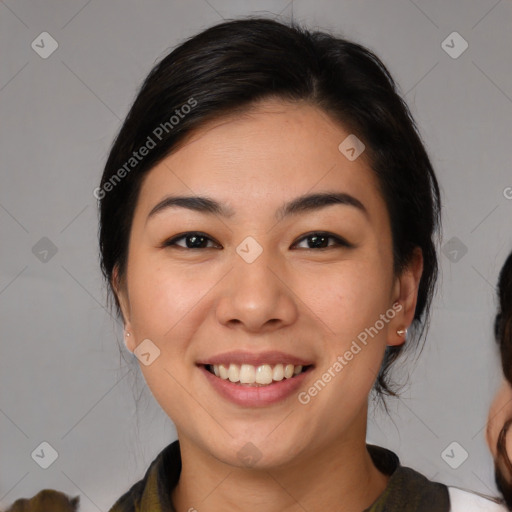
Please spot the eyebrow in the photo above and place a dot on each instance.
(301, 204)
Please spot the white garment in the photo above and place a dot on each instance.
(467, 501)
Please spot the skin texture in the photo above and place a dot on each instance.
(310, 302)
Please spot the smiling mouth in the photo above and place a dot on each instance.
(256, 376)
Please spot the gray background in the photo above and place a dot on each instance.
(62, 378)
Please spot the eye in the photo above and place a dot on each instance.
(320, 240)
(193, 240)
(199, 240)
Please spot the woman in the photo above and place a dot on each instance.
(268, 216)
(500, 414)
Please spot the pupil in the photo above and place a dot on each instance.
(195, 241)
(318, 241)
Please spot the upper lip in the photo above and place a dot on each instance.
(240, 357)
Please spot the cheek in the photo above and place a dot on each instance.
(165, 308)
(352, 307)
(349, 298)
(162, 298)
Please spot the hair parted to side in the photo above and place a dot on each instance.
(230, 67)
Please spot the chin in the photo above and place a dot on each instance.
(258, 453)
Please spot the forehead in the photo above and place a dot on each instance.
(271, 153)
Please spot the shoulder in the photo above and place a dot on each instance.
(152, 492)
(466, 501)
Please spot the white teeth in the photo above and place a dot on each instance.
(223, 371)
(234, 373)
(259, 375)
(264, 374)
(288, 370)
(278, 372)
(247, 374)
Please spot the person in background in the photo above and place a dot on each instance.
(500, 413)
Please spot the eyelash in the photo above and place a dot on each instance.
(340, 242)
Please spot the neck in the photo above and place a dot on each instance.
(340, 476)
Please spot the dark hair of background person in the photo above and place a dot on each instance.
(230, 67)
(503, 335)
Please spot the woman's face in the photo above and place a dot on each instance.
(256, 288)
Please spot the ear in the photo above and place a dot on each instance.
(121, 292)
(405, 297)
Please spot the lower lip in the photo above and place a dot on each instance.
(257, 396)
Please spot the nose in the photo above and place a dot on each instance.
(257, 297)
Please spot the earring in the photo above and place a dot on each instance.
(127, 334)
(402, 332)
